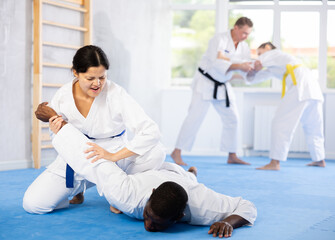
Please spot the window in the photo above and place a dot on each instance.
(192, 1)
(295, 26)
(190, 35)
(331, 50)
(301, 2)
(303, 43)
(246, 2)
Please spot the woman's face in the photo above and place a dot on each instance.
(266, 48)
(260, 51)
(92, 81)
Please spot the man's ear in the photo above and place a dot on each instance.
(179, 217)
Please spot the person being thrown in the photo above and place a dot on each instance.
(302, 101)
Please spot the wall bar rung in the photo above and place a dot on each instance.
(62, 5)
(61, 45)
(80, 2)
(52, 85)
(72, 27)
(57, 65)
(47, 146)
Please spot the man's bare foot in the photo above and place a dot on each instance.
(78, 199)
(193, 170)
(114, 210)
(321, 163)
(273, 165)
(176, 156)
(233, 159)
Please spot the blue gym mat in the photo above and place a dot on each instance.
(297, 202)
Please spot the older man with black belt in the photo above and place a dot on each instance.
(227, 53)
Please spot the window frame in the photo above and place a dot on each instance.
(222, 8)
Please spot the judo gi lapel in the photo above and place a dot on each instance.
(90, 119)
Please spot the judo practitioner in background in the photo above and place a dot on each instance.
(301, 102)
(159, 197)
(227, 53)
(102, 110)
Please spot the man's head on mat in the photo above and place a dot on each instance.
(264, 47)
(165, 207)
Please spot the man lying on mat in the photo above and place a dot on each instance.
(159, 197)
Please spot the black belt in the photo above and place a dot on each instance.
(216, 85)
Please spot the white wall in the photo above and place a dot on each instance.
(135, 35)
(329, 125)
(15, 77)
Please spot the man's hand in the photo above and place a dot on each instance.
(44, 113)
(225, 227)
(222, 228)
(246, 66)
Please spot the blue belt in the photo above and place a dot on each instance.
(69, 170)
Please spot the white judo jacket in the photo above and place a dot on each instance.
(130, 193)
(275, 65)
(218, 68)
(112, 111)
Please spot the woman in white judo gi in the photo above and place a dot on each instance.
(227, 52)
(102, 111)
(301, 102)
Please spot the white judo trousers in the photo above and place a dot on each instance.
(289, 113)
(111, 112)
(196, 114)
(203, 88)
(130, 193)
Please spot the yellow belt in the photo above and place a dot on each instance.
(289, 70)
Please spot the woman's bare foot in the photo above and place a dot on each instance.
(273, 165)
(193, 170)
(176, 156)
(321, 163)
(233, 159)
(114, 210)
(78, 199)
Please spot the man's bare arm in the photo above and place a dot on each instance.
(44, 112)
